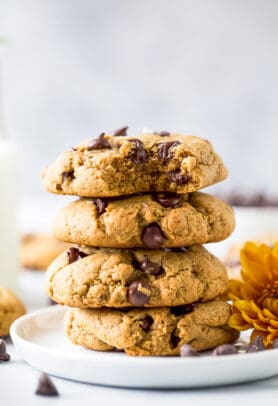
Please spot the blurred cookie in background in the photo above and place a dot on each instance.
(11, 308)
(37, 251)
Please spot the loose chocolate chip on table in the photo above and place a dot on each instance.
(256, 345)
(151, 268)
(165, 149)
(138, 155)
(67, 175)
(146, 323)
(98, 143)
(46, 387)
(182, 310)
(163, 133)
(101, 205)
(153, 236)
(178, 178)
(74, 254)
(3, 351)
(120, 132)
(139, 293)
(225, 349)
(187, 351)
(168, 199)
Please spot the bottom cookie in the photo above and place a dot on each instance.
(152, 331)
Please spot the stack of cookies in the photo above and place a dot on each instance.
(138, 279)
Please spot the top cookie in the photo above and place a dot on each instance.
(118, 165)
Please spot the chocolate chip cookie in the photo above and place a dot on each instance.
(10, 309)
(121, 165)
(150, 221)
(91, 277)
(37, 251)
(156, 331)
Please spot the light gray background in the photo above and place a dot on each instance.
(207, 67)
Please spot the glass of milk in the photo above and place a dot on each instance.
(8, 186)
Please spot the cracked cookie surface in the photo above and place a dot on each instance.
(98, 277)
(155, 331)
(150, 221)
(114, 166)
(10, 309)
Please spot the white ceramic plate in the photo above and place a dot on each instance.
(40, 338)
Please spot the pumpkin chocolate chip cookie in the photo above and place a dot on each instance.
(116, 165)
(150, 221)
(99, 277)
(10, 309)
(155, 331)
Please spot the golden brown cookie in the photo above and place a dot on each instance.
(119, 165)
(151, 221)
(10, 309)
(91, 277)
(156, 331)
(39, 250)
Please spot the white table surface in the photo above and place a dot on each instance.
(18, 380)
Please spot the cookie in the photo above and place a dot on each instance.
(150, 221)
(37, 251)
(89, 277)
(115, 166)
(10, 309)
(156, 331)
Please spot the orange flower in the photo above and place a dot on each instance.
(255, 298)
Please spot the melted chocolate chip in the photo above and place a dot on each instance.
(139, 293)
(256, 345)
(178, 178)
(151, 268)
(153, 236)
(225, 349)
(101, 205)
(177, 249)
(165, 149)
(182, 310)
(146, 323)
(187, 351)
(174, 340)
(120, 132)
(74, 254)
(138, 155)
(67, 175)
(168, 199)
(46, 387)
(3, 351)
(98, 143)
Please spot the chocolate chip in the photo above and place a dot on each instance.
(138, 155)
(67, 175)
(178, 178)
(46, 387)
(139, 293)
(74, 254)
(101, 205)
(256, 345)
(151, 268)
(168, 199)
(182, 310)
(153, 236)
(275, 343)
(176, 249)
(98, 143)
(174, 340)
(165, 149)
(3, 351)
(120, 132)
(146, 323)
(51, 302)
(163, 133)
(187, 351)
(225, 349)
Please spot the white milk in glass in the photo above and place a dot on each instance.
(8, 232)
